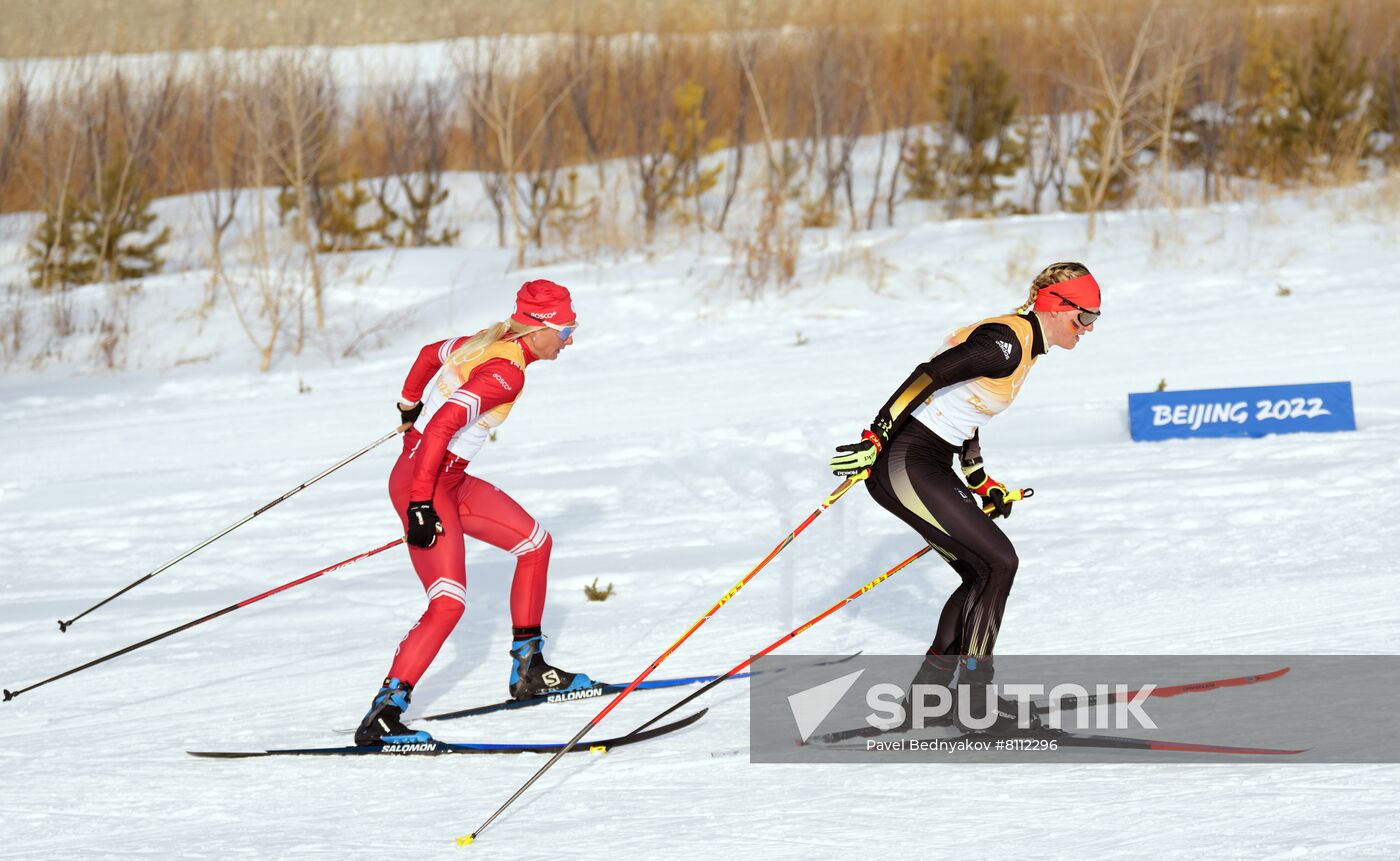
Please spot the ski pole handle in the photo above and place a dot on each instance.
(1011, 496)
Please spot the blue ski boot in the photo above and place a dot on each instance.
(383, 724)
(530, 676)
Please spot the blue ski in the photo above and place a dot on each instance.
(439, 748)
(600, 689)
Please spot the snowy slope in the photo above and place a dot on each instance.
(667, 451)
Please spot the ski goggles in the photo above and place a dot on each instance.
(565, 332)
(1085, 317)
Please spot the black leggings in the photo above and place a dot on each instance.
(915, 480)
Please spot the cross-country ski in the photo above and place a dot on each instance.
(440, 748)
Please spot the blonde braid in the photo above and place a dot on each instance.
(1052, 274)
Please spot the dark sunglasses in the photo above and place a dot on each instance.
(1086, 317)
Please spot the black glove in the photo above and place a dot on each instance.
(408, 416)
(423, 524)
(993, 493)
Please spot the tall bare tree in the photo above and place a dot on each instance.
(300, 102)
(513, 111)
(1180, 54)
(227, 148)
(1115, 85)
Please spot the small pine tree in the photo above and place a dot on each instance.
(979, 111)
(113, 231)
(81, 242)
(338, 227)
(1300, 115)
(59, 255)
(922, 171)
(1325, 96)
(1263, 137)
(1385, 111)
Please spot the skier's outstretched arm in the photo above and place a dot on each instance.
(983, 354)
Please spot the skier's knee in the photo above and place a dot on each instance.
(538, 541)
(1001, 568)
(446, 609)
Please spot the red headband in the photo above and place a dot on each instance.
(1082, 291)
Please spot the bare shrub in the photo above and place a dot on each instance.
(14, 115)
(594, 592)
(1115, 86)
(111, 326)
(413, 130)
(12, 327)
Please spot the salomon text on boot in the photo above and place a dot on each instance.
(531, 676)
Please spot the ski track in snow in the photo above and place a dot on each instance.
(682, 436)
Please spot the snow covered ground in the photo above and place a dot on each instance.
(682, 435)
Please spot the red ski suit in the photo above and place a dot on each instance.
(432, 466)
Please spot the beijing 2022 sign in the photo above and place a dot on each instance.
(1254, 411)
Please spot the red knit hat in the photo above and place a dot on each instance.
(541, 302)
(1082, 291)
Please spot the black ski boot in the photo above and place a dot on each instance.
(383, 723)
(973, 682)
(530, 676)
(936, 671)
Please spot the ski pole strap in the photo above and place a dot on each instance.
(1012, 496)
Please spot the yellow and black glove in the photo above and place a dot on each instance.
(857, 457)
(996, 499)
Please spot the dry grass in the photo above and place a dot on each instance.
(803, 78)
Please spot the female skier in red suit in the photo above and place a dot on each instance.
(471, 384)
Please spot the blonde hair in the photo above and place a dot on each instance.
(1052, 274)
(506, 330)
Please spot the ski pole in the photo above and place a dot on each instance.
(789, 636)
(835, 495)
(9, 694)
(1011, 496)
(63, 626)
